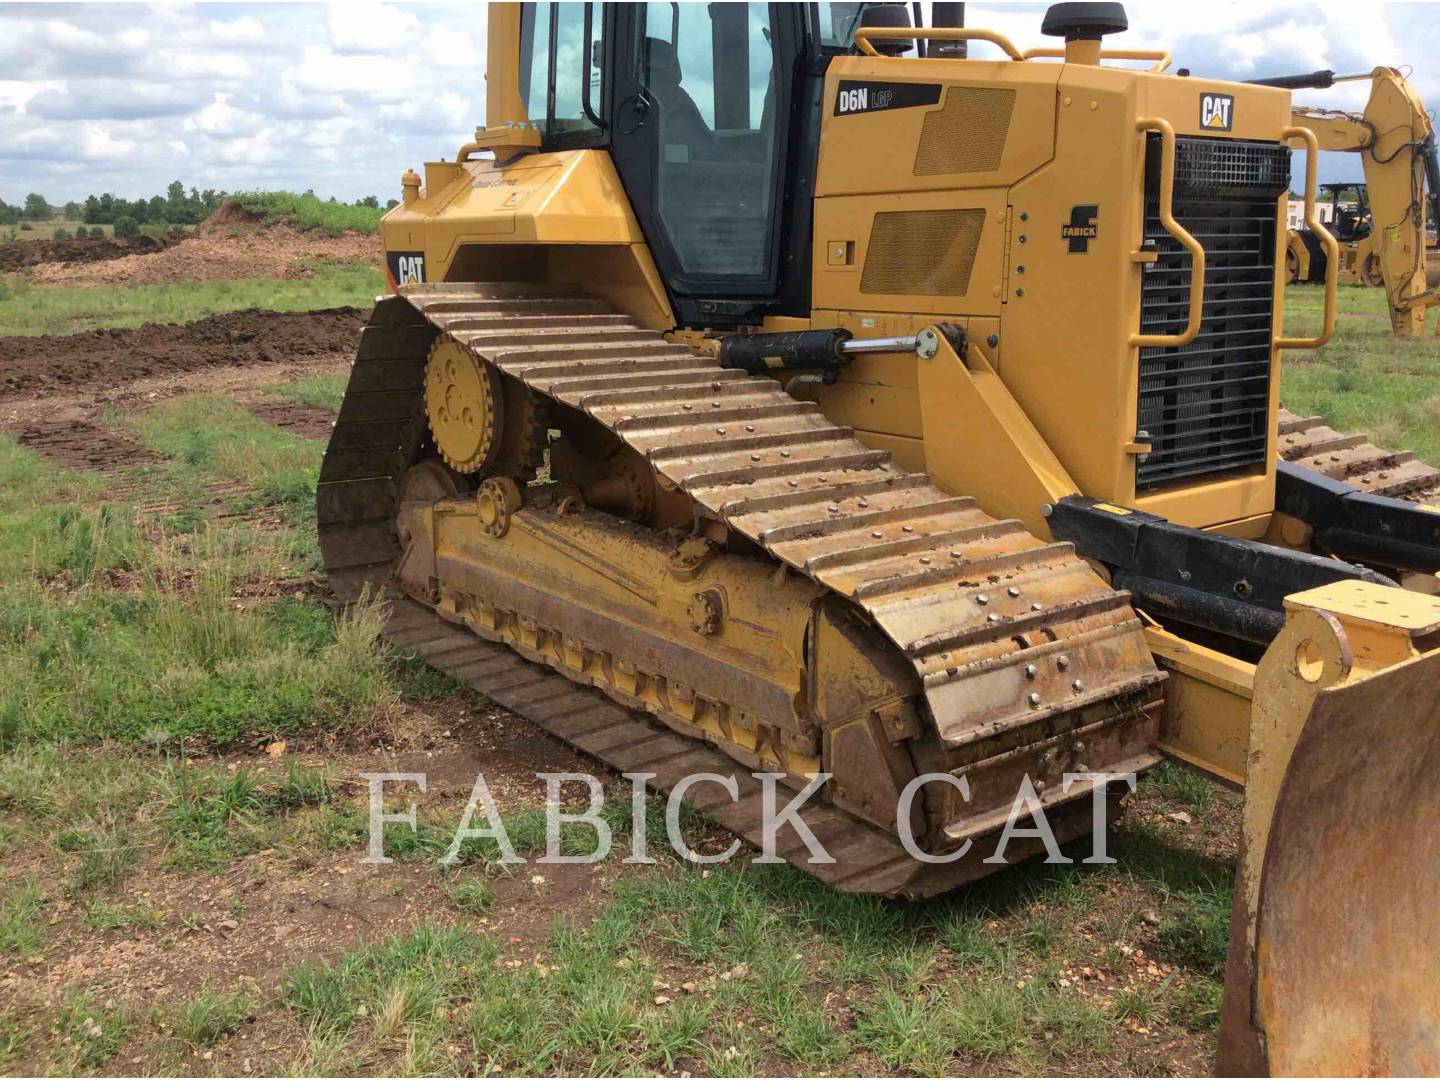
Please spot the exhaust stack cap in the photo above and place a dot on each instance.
(1084, 21)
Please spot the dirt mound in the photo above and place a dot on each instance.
(274, 251)
(19, 254)
(227, 217)
(44, 365)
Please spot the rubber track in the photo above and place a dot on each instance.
(979, 606)
(1309, 441)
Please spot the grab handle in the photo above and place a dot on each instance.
(1178, 231)
(1162, 58)
(933, 33)
(1327, 241)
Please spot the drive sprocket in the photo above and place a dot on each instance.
(483, 421)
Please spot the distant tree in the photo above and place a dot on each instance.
(127, 226)
(390, 204)
(36, 208)
(160, 209)
(369, 200)
(9, 215)
(73, 210)
(59, 234)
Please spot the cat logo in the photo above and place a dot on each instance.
(405, 267)
(1217, 111)
(1082, 228)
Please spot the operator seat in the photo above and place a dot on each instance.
(680, 119)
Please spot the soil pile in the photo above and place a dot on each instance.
(19, 254)
(273, 251)
(43, 365)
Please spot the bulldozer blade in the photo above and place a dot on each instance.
(1334, 961)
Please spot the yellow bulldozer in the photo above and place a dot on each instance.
(782, 389)
(1384, 227)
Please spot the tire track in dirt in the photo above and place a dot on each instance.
(307, 421)
(78, 444)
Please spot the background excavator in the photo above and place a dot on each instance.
(778, 388)
(1385, 227)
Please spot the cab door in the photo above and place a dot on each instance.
(699, 126)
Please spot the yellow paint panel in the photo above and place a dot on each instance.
(892, 150)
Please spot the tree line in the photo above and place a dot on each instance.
(175, 208)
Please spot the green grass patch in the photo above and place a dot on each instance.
(22, 926)
(159, 664)
(1184, 786)
(322, 391)
(101, 914)
(208, 1017)
(219, 440)
(27, 309)
(92, 1033)
(310, 211)
(1199, 932)
(1365, 379)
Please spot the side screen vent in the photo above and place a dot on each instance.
(1206, 405)
(966, 134)
(922, 252)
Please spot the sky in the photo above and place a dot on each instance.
(343, 98)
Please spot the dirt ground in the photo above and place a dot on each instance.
(276, 252)
(22, 253)
(111, 360)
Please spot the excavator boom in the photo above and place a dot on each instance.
(1395, 139)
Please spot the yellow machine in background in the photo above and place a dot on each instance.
(848, 406)
(1384, 239)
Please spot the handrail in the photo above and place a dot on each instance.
(1163, 59)
(1327, 241)
(931, 33)
(1176, 230)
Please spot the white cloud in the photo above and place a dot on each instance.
(369, 28)
(341, 99)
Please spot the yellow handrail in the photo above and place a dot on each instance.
(933, 33)
(1332, 248)
(1162, 58)
(1175, 229)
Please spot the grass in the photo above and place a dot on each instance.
(29, 310)
(322, 391)
(1365, 379)
(206, 1018)
(733, 971)
(22, 929)
(310, 212)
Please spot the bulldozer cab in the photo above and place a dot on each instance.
(696, 105)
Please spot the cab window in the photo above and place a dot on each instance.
(553, 50)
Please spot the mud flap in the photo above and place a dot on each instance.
(1334, 961)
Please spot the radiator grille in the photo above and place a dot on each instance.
(1205, 406)
(967, 134)
(922, 252)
